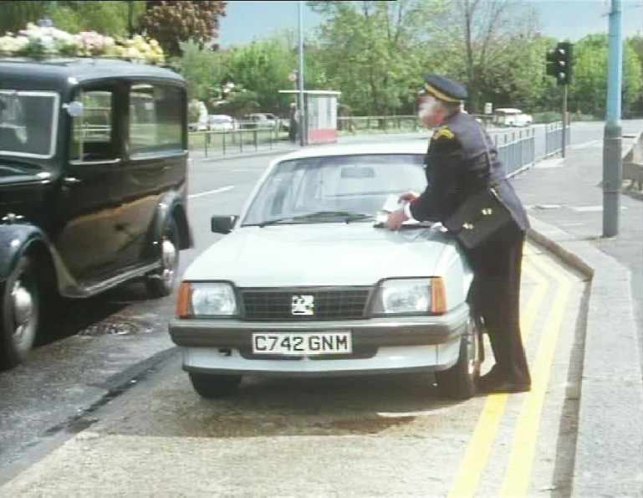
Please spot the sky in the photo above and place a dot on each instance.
(246, 21)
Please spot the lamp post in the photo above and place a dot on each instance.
(300, 78)
(612, 144)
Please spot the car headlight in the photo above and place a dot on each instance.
(410, 296)
(206, 299)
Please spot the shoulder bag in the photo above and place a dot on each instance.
(480, 215)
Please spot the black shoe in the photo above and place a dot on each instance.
(496, 382)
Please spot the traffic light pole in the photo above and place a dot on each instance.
(612, 145)
(564, 120)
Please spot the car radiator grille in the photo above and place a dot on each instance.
(276, 305)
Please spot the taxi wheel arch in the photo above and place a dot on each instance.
(213, 386)
(459, 381)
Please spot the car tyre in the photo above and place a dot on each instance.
(20, 313)
(212, 386)
(161, 283)
(459, 381)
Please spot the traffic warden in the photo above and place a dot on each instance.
(461, 161)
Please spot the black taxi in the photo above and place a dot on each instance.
(93, 165)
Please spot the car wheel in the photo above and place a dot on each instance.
(214, 386)
(20, 313)
(459, 381)
(162, 281)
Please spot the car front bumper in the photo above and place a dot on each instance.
(390, 344)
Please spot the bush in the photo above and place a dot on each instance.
(547, 117)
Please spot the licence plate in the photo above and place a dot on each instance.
(296, 344)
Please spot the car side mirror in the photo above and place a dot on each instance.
(223, 224)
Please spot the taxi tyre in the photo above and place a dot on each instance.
(212, 386)
(161, 283)
(459, 381)
(22, 300)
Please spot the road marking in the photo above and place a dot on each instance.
(518, 474)
(484, 435)
(211, 192)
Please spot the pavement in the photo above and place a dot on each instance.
(609, 440)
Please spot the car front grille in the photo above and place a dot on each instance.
(329, 304)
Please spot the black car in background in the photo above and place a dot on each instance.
(93, 159)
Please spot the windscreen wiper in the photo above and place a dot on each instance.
(345, 216)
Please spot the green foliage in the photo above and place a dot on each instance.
(173, 22)
(106, 17)
(371, 51)
(588, 92)
(203, 70)
(16, 14)
(263, 68)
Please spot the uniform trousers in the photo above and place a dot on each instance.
(495, 296)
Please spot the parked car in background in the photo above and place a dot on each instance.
(221, 122)
(263, 120)
(511, 117)
(93, 157)
(340, 295)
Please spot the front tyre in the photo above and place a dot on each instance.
(161, 282)
(20, 313)
(212, 386)
(459, 381)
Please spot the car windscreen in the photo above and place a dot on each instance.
(351, 184)
(28, 123)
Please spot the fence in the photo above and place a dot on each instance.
(383, 124)
(225, 142)
(554, 138)
(518, 150)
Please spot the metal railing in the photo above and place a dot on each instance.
(233, 141)
(554, 138)
(516, 149)
(383, 124)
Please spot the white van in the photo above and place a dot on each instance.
(508, 116)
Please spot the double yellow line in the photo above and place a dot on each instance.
(518, 474)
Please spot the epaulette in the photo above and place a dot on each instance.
(443, 133)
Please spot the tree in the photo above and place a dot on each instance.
(474, 43)
(370, 51)
(106, 17)
(202, 69)
(263, 68)
(16, 14)
(636, 44)
(172, 22)
(588, 91)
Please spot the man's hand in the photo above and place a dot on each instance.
(408, 197)
(395, 219)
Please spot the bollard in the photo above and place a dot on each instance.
(256, 132)
(223, 143)
(205, 143)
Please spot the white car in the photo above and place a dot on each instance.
(308, 282)
(508, 116)
(221, 122)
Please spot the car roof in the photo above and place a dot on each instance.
(60, 72)
(418, 146)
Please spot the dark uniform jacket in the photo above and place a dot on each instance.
(457, 167)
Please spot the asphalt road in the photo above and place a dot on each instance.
(84, 380)
(361, 436)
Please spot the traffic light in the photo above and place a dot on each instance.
(559, 63)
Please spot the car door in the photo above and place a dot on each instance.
(154, 164)
(87, 209)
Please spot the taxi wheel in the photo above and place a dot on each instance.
(459, 381)
(20, 313)
(161, 282)
(214, 386)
